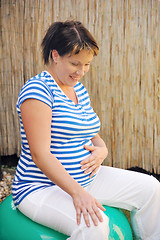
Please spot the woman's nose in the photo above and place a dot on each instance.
(80, 72)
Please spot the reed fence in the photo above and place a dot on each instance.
(123, 82)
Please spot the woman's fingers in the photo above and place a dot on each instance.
(94, 213)
(89, 148)
(99, 205)
(93, 172)
(88, 160)
(92, 162)
(88, 165)
(78, 211)
(89, 207)
(86, 217)
(98, 214)
(93, 216)
(91, 169)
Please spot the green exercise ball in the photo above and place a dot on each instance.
(15, 226)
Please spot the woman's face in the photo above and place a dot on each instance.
(71, 68)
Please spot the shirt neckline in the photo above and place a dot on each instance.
(59, 88)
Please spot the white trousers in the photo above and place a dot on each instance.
(139, 193)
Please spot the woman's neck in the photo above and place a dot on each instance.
(68, 91)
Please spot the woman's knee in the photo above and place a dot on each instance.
(151, 189)
(155, 188)
(101, 231)
(82, 232)
(152, 186)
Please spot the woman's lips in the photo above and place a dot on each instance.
(74, 78)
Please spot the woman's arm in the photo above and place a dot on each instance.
(36, 117)
(98, 151)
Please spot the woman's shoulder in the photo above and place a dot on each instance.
(40, 79)
(36, 87)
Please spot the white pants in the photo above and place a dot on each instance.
(136, 192)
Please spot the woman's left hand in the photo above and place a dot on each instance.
(93, 162)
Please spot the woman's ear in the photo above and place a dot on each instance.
(55, 55)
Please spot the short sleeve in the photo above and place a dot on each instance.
(36, 89)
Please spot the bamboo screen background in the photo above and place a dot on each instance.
(123, 82)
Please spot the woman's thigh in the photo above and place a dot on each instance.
(121, 188)
(51, 207)
(54, 208)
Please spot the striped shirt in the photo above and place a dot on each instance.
(72, 126)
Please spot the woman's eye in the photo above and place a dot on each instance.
(75, 64)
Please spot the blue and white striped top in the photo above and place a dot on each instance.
(72, 126)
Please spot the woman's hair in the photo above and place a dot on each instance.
(67, 37)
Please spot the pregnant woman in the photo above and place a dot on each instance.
(60, 181)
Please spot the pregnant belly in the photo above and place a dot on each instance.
(71, 155)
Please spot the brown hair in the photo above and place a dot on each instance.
(67, 37)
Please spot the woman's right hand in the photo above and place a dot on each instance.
(87, 205)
